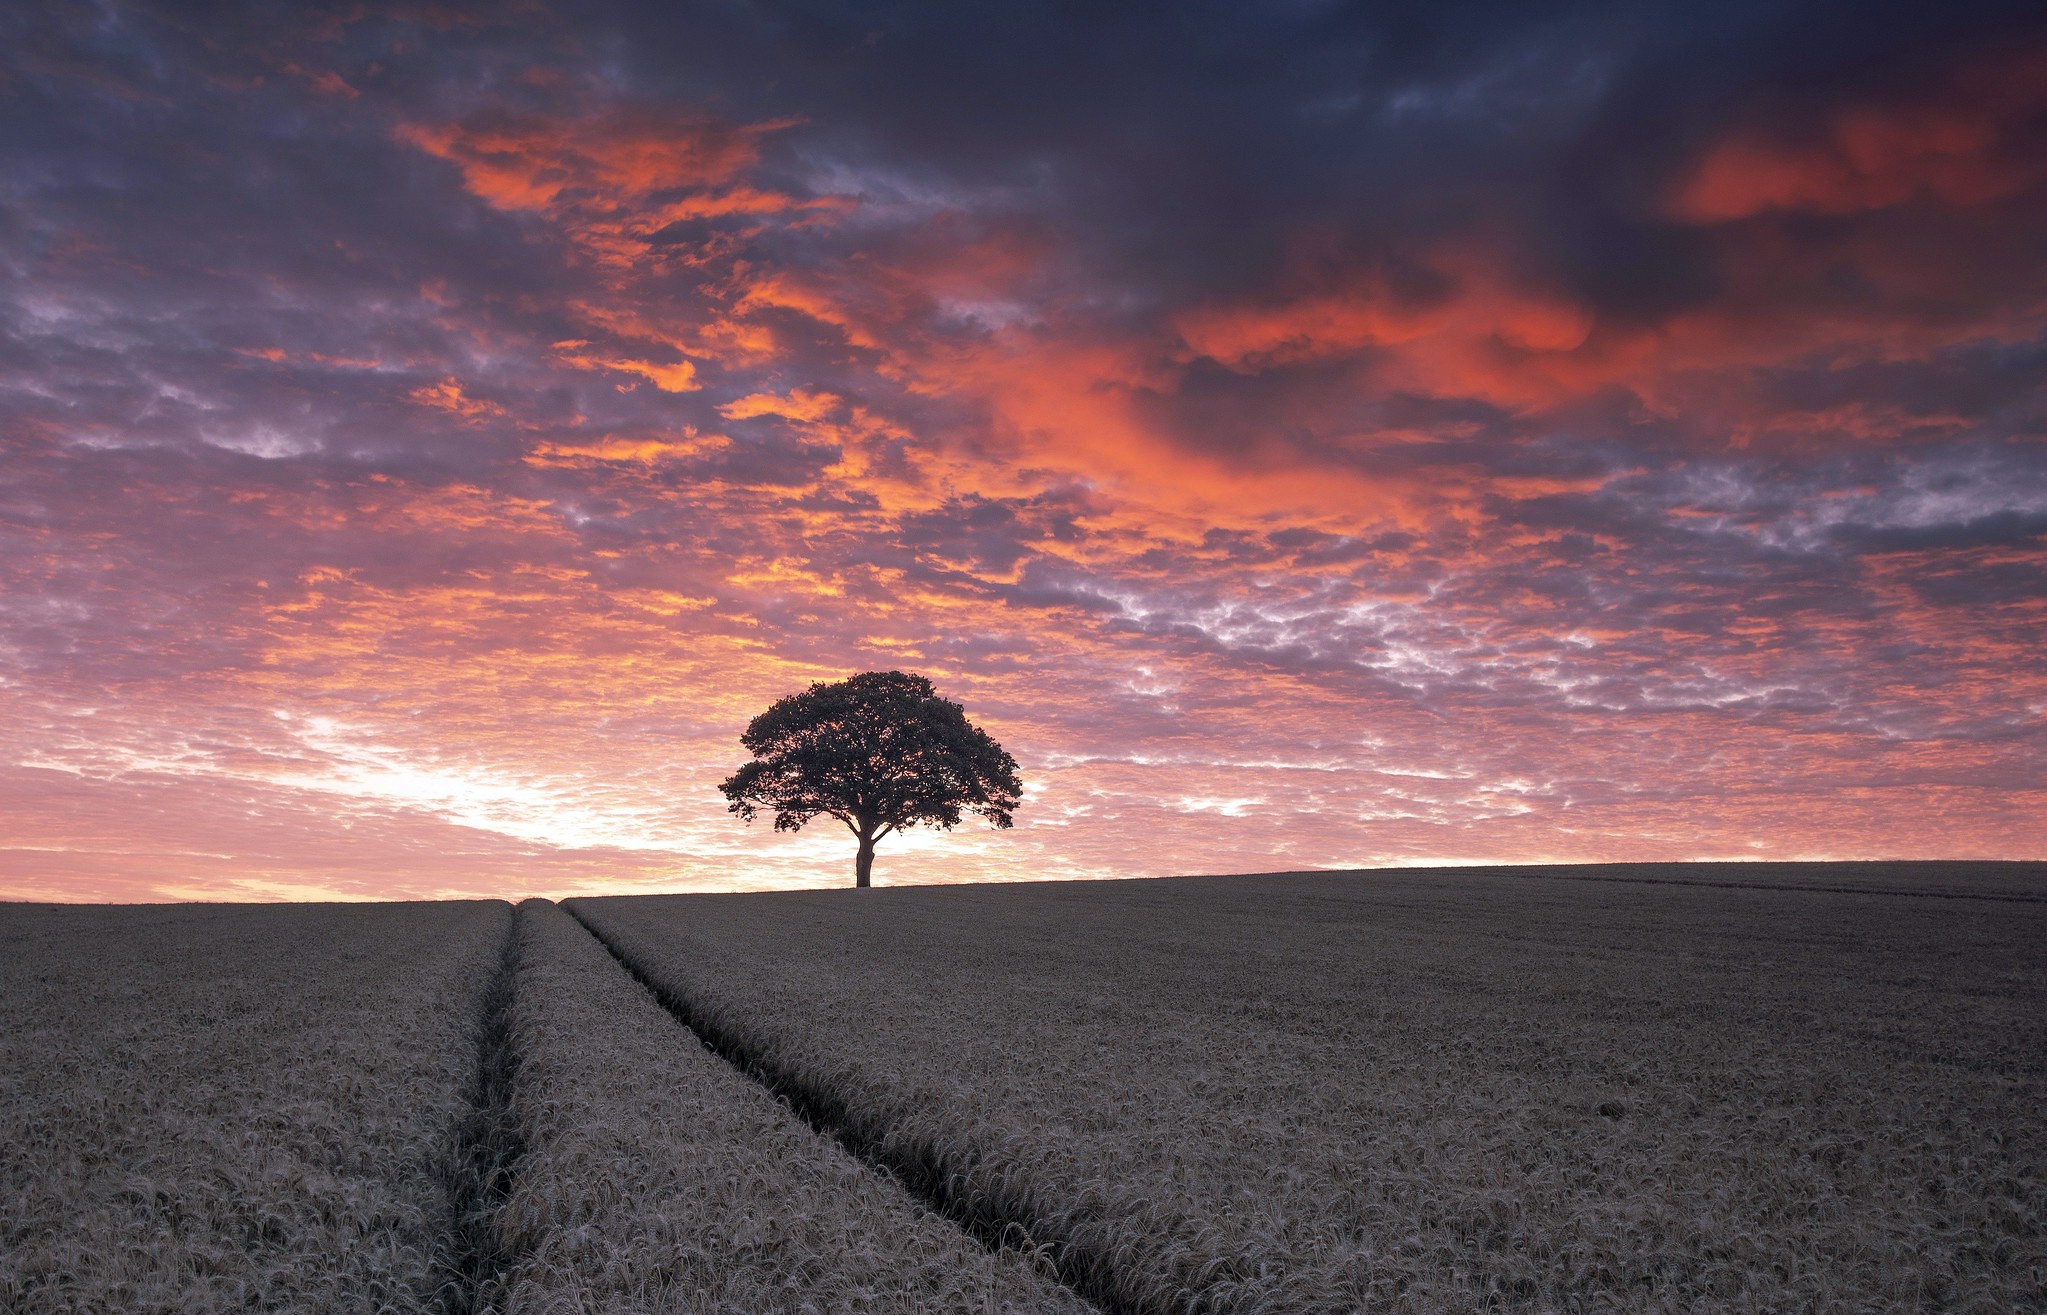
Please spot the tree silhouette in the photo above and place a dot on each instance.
(880, 751)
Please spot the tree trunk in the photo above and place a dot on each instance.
(863, 864)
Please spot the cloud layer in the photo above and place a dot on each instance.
(1302, 435)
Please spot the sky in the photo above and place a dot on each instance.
(1303, 434)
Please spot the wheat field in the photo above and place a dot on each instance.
(1429, 1091)
(1707, 1088)
(654, 1177)
(224, 1108)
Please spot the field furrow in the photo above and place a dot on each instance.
(655, 1177)
(212, 1108)
(1425, 1091)
(488, 1146)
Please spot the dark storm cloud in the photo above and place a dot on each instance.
(1185, 150)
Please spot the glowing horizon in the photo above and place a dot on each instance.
(1302, 439)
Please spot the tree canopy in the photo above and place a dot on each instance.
(881, 752)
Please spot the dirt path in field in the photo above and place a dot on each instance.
(488, 1147)
(917, 1173)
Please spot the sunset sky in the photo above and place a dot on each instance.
(1304, 435)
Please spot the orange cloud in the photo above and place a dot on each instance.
(1871, 156)
(729, 340)
(617, 179)
(670, 377)
(633, 451)
(447, 395)
(801, 404)
(784, 291)
(1082, 413)
(1485, 335)
(528, 162)
(278, 355)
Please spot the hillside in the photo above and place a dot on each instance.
(1698, 1087)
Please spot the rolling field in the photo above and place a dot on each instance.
(1710, 1088)
(1427, 1091)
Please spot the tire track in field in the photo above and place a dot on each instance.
(487, 1149)
(945, 1192)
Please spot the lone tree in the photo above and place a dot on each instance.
(880, 751)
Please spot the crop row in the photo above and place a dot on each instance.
(655, 1177)
(234, 1108)
(440, 1109)
(1419, 1093)
(1480, 1091)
